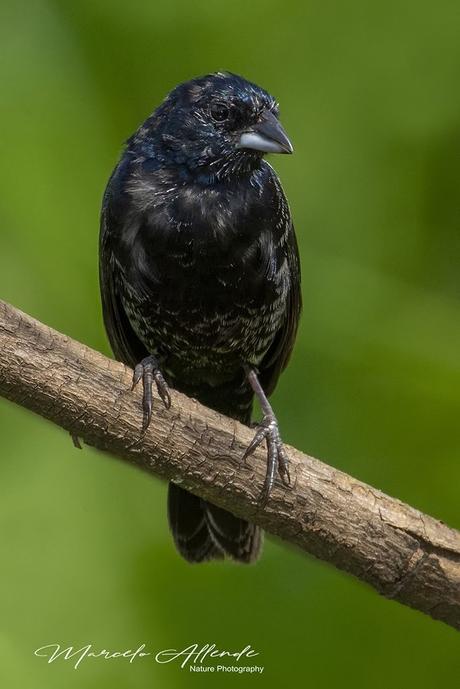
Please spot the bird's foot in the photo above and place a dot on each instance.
(277, 459)
(76, 440)
(149, 371)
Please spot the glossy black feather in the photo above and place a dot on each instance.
(199, 267)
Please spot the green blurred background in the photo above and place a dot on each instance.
(370, 96)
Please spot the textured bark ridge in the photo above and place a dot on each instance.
(401, 552)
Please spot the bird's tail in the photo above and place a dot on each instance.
(202, 531)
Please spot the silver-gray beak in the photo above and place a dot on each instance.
(267, 136)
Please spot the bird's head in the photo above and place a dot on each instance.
(219, 125)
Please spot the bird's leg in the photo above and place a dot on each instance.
(268, 430)
(148, 369)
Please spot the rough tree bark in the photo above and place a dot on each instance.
(402, 553)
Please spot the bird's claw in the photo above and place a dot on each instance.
(148, 371)
(76, 440)
(277, 459)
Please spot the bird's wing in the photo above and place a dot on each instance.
(125, 344)
(278, 355)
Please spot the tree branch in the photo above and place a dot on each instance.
(401, 552)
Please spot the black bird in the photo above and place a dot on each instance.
(200, 276)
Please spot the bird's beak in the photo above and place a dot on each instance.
(267, 136)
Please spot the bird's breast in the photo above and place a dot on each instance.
(206, 277)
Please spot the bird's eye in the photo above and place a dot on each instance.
(219, 112)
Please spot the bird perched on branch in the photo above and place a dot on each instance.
(200, 277)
